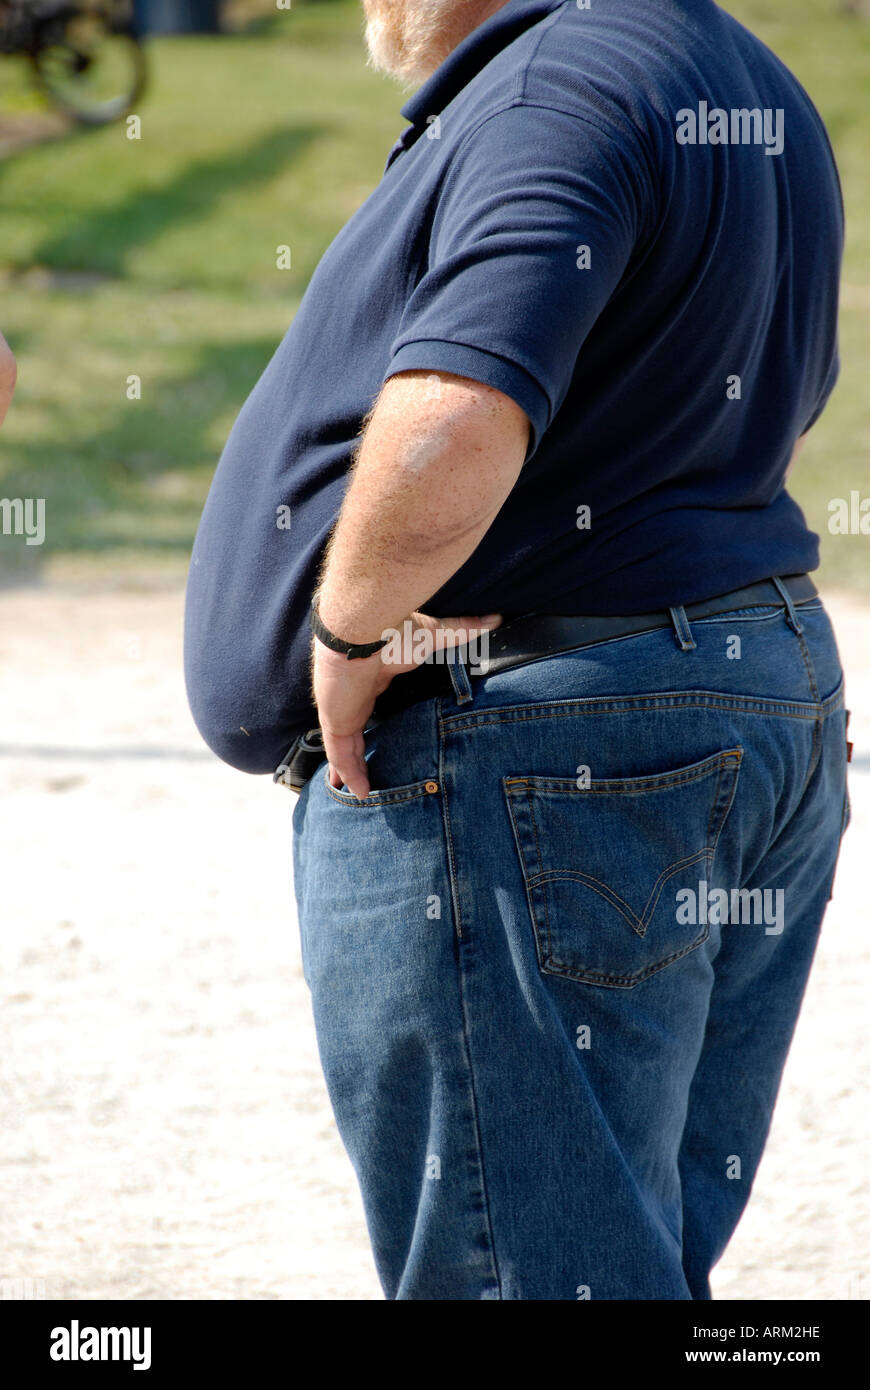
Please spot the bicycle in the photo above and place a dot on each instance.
(85, 55)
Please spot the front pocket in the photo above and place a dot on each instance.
(603, 863)
(388, 797)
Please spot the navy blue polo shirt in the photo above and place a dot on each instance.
(627, 218)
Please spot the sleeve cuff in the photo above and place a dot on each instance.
(477, 364)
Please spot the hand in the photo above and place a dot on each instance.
(345, 691)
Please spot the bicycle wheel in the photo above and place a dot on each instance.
(88, 63)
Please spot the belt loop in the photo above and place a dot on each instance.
(682, 630)
(458, 672)
(791, 612)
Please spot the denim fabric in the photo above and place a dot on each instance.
(551, 1024)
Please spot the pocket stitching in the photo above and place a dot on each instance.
(629, 981)
(729, 759)
(576, 876)
(737, 755)
(540, 871)
(630, 786)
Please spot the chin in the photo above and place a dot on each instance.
(386, 54)
(409, 40)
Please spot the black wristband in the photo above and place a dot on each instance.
(352, 650)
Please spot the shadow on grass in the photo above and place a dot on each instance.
(140, 478)
(103, 238)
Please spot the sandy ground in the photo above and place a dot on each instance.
(164, 1127)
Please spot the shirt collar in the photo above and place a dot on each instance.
(466, 60)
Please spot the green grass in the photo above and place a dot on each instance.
(157, 258)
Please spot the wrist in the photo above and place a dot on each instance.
(329, 660)
(346, 646)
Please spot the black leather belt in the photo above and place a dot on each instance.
(533, 637)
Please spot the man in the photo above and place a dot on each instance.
(7, 377)
(560, 882)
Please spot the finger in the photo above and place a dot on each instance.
(456, 632)
(346, 761)
(351, 774)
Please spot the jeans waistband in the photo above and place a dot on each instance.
(535, 636)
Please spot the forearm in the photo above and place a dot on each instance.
(426, 488)
(380, 567)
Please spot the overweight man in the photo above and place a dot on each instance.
(500, 575)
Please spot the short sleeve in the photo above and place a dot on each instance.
(536, 222)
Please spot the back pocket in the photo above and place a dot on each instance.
(603, 864)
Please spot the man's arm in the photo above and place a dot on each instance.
(439, 458)
(7, 376)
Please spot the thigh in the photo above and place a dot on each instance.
(767, 948)
(373, 889)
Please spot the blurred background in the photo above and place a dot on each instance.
(164, 1129)
(157, 257)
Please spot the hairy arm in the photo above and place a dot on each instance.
(438, 459)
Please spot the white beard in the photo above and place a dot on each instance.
(409, 39)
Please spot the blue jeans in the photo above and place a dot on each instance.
(557, 955)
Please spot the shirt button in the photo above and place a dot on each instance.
(431, 786)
